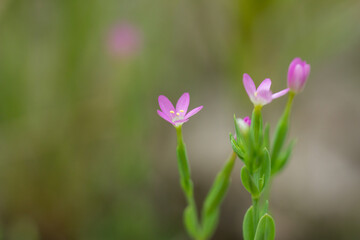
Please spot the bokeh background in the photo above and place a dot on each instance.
(83, 154)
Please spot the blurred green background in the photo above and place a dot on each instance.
(83, 154)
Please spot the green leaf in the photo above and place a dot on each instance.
(248, 225)
(190, 221)
(265, 229)
(281, 130)
(210, 211)
(249, 182)
(283, 158)
(209, 224)
(266, 168)
(236, 147)
(219, 187)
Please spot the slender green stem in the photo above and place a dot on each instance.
(183, 163)
(256, 208)
(210, 212)
(282, 128)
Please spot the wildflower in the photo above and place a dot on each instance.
(124, 40)
(297, 75)
(262, 95)
(176, 116)
(244, 124)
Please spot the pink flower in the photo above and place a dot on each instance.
(297, 75)
(244, 124)
(124, 40)
(262, 95)
(176, 116)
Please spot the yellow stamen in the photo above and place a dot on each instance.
(178, 114)
(255, 94)
(172, 111)
(181, 110)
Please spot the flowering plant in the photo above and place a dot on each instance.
(262, 158)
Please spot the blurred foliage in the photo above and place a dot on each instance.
(76, 121)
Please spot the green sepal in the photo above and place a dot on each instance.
(236, 147)
(284, 157)
(266, 228)
(249, 182)
(237, 129)
(248, 225)
(267, 136)
(191, 221)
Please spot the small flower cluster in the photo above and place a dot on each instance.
(251, 143)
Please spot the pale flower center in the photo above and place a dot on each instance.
(176, 116)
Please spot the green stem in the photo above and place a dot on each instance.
(183, 163)
(191, 218)
(281, 130)
(256, 211)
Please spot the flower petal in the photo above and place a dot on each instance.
(249, 85)
(164, 116)
(263, 97)
(193, 112)
(183, 104)
(265, 85)
(165, 105)
(281, 93)
(292, 66)
(247, 120)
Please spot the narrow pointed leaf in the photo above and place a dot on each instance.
(210, 211)
(209, 224)
(279, 136)
(284, 158)
(190, 221)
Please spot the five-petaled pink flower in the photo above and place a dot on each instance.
(262, 95)
(297, 75)
(176, 116)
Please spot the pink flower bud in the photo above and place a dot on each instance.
(244, 124)
(297, 75)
